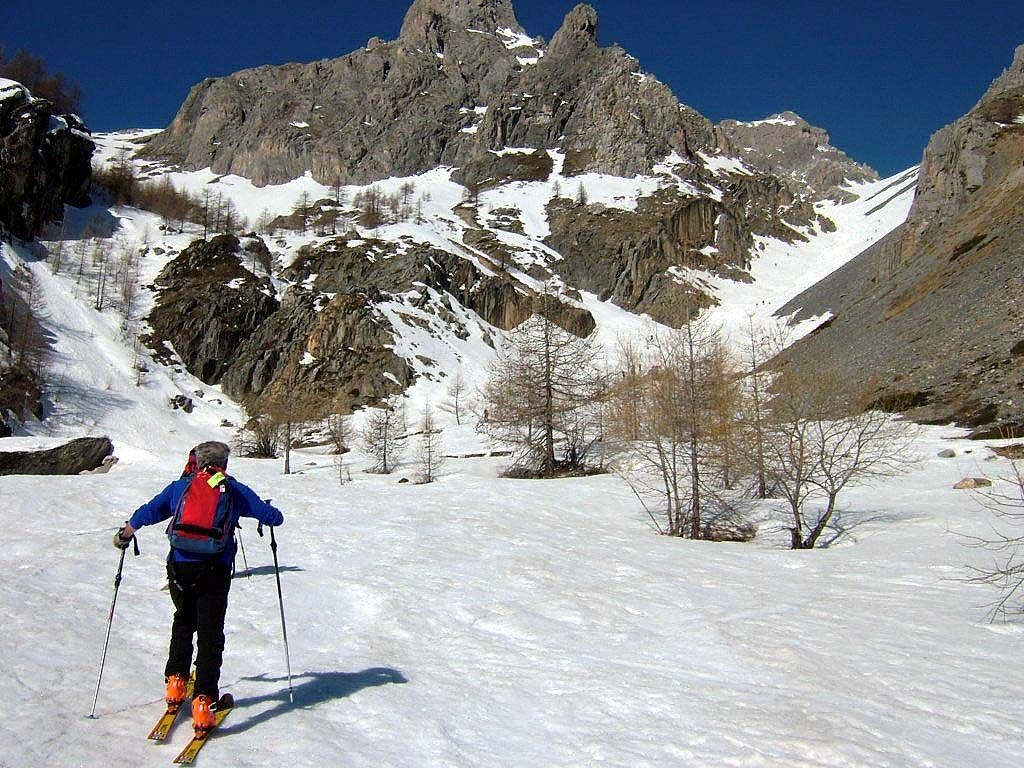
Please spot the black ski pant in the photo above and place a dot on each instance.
(200, 595)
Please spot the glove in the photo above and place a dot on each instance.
(121, 542)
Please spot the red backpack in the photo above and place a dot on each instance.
(202, 521)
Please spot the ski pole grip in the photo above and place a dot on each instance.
(259, 530)
(135, 542)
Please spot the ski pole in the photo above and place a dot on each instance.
(280, 602)
(110, 623)
(245, 560)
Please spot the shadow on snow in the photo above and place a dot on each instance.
(263, 570)
(311, 689)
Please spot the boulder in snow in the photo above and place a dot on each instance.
(972, 482)
(81, 455)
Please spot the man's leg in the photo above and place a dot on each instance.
(179, 655)
(211, 606)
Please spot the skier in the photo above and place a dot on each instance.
(204, 506)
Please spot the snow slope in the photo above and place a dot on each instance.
(779, 270)
(483, 622)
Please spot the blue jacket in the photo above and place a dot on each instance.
(244, 503)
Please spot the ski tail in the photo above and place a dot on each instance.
(191, 751)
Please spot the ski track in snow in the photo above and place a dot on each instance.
(488, 622)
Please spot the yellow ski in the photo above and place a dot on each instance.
(166, 722)
(191, 750)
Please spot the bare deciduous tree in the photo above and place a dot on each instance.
(259, 438)
(1006, 543)
(542, 395)
(457, 390)
(666, 396)
(339, 430)
(303, 209)
(383, 434)
(819, 442)
(429, 458)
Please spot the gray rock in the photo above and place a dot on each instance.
(182, 402)
(788, 146)
(403, 107)
(44, 163)
(81, 455)
(107, 464)
(207, 305)
(970, 483)
(330, 340)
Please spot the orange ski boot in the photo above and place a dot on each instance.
(177, 689)
(202, 714)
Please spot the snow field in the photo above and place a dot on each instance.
(480, 621)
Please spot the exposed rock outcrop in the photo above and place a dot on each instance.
(328, 338)
(787, 146)
(207, 306)
(464, 87)
(44, 162)
(82, 455)
(641, 259)
(930, 316)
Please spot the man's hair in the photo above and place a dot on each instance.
(212, 454)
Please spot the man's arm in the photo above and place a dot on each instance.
(155, 510)
(254, 506)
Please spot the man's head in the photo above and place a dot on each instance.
(212, 454)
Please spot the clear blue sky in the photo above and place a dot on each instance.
(880, 76)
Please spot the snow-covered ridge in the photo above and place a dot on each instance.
(9, 87)
(773, 120)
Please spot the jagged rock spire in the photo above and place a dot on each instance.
(578, 31)
(485, 15)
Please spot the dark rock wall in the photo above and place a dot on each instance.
(205, 319)
(44, 163)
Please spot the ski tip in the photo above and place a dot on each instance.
(227, 701)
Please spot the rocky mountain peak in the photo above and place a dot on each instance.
(785, 144)
(578, 31)
(1018, 58)
(427, 16)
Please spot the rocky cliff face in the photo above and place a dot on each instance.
(208, 305)
(461, 78)
(332, 337)
(44, 162)
(929, 319)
